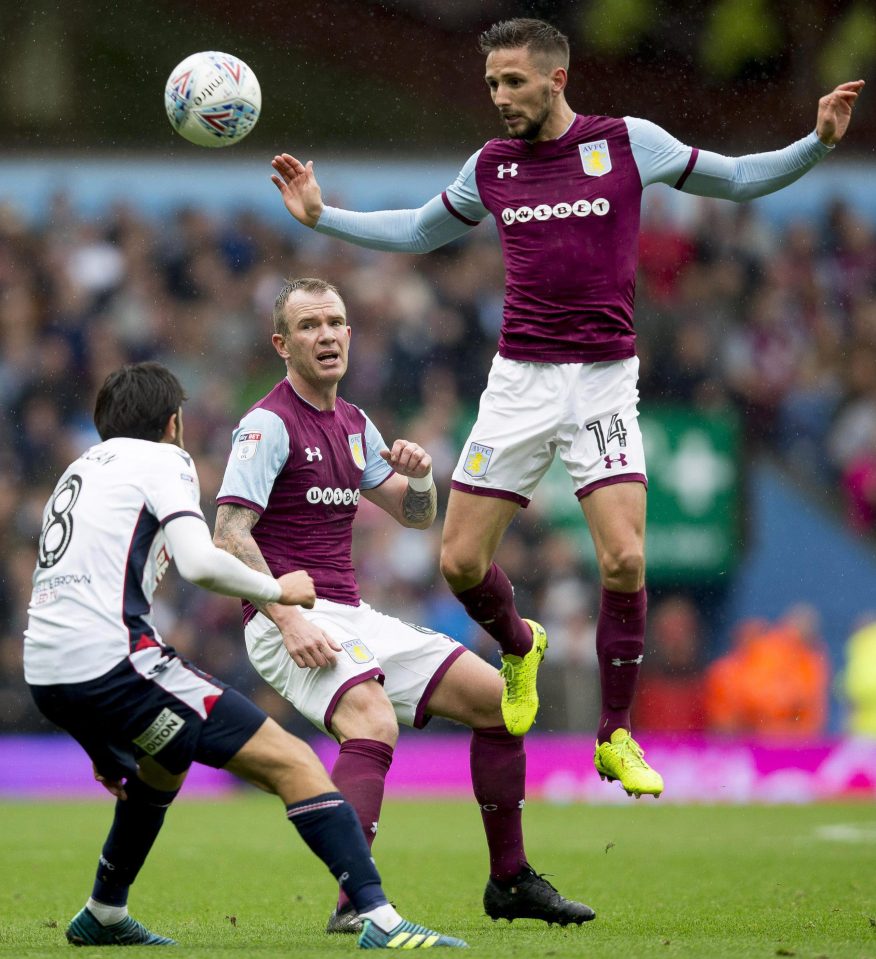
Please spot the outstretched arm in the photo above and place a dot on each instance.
(402, 231)
(198, 561)
(308, 645)
(409, 495)
(662, 158)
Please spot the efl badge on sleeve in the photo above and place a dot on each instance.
(355, 440)
(358, 651)
(595, 157)
(477, 460)
(247, 445)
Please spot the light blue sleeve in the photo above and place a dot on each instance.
(377, 470)
(658, 155)
(463, 194)
(411, 231)
(259, 450)
(663, 159)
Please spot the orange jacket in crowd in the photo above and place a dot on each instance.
(774, 683)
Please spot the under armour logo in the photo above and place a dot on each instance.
(510, 169)
(620, 459)
(628, 662)
(374, 829)
(312, 454)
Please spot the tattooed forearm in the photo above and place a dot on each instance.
(233, 533)
(419, 509)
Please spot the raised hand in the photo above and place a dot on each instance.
(298, 187)
(835, 112)
(408, 459)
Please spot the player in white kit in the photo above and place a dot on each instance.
(301, 458)
(97, 667)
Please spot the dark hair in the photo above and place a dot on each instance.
(541, 38)
(137, 401)
(304, 284)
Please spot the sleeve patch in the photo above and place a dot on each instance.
(247, 445)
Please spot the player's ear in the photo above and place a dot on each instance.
(559, 79)
(280, 345)
(171, 428)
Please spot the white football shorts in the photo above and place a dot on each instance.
(409, 660)
(586, 412)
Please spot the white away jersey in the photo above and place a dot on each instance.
(102, 552)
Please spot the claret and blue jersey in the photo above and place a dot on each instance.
(567, 212)
(302, 469)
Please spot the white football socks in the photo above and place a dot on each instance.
(106, 915)
(383, 916)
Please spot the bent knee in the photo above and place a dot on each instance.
(623, 568)
(461, 571)
(365, 712)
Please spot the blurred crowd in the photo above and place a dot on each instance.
(778, 323)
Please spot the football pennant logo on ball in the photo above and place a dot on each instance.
(477, 460)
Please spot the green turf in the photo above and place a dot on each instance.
(232, 878)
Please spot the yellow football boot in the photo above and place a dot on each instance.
(520, 697)
(623, 759)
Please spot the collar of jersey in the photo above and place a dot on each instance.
(307, 403)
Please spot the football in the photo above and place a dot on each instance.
(212, 99)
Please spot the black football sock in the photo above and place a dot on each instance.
(137, 822)
(331, 829)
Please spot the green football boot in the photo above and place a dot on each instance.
(520, 696)
(623, 759)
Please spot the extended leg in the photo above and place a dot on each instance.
(473, 529)
(287, 766)
(365, 725)
(137, 821)
(470, 693)
(616, 516)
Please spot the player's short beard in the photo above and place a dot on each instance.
(533, 128)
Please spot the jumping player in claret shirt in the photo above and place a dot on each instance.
(564, 190)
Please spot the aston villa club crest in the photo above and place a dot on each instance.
(358, 651)
(355, 441)
(477, 460)
(595, 157)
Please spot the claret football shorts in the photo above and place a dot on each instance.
(409, 660)
(529, 412)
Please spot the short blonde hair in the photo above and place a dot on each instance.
(303, 284)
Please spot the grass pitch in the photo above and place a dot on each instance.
(232, 877)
